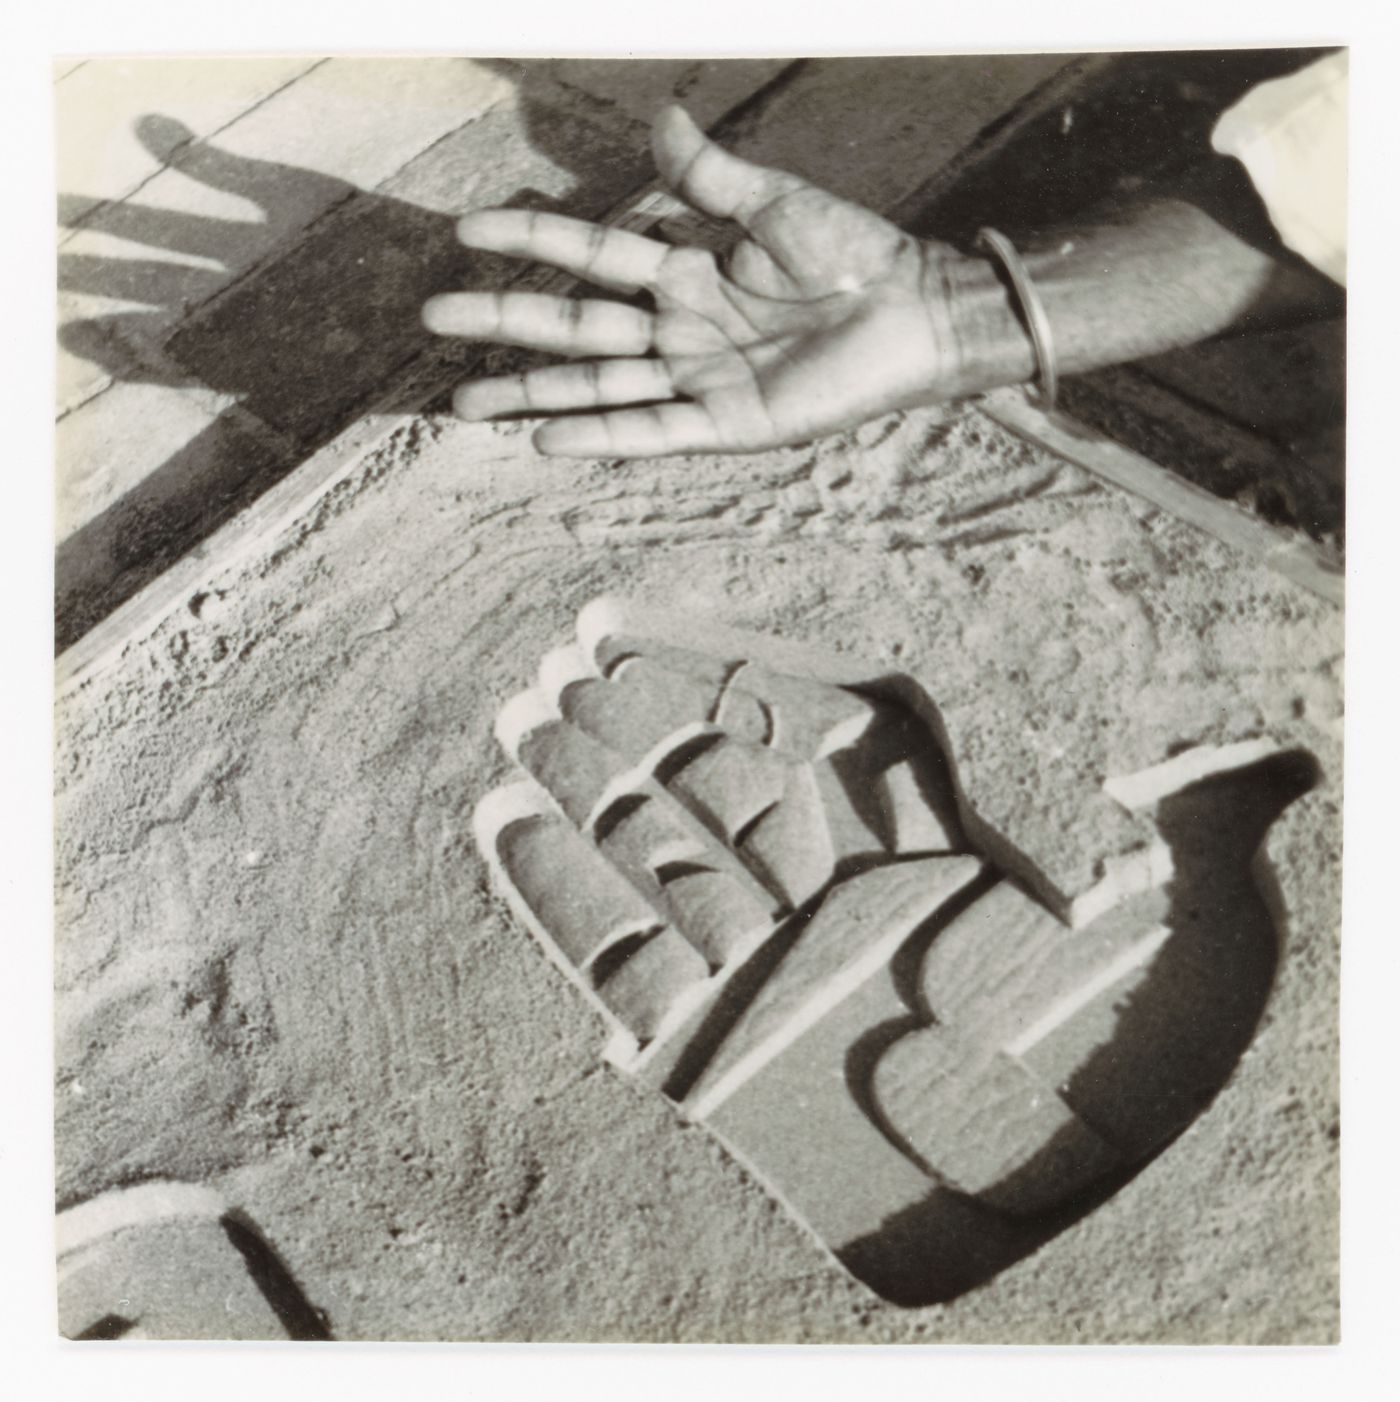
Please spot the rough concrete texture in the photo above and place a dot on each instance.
(281, 972)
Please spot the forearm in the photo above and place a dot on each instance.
(1164, 275)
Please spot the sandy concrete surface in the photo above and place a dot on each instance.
(281, 972)
(282, 975)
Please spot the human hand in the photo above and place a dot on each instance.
(823, 316)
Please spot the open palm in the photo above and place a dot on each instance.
(824, 315)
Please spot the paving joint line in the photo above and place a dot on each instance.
(96, 391)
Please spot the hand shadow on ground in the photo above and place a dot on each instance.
(1176, 1043)
(309, 333)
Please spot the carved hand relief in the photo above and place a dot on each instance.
(754, 860)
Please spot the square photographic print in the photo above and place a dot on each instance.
(700, 700)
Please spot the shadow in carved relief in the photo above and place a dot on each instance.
(758, 866)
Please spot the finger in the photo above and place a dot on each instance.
(768, 810)
(643, 714)
(631, 433)
(583, 901)
(72, 208)
(592, 921)
(705, 893)
(790, 848)
(595, 746)
(592, 384)
(579, 772)
(708, 177)
(565, 325)
(810, 719)
(611, 258)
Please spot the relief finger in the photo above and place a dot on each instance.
(575, 899)
(594, 924)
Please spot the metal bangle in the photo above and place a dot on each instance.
(1033, 309)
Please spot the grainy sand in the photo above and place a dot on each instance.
(281, 972)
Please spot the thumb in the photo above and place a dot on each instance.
(709, 177)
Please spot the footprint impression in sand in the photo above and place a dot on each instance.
(762, 879)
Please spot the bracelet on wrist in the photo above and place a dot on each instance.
(1036, 322)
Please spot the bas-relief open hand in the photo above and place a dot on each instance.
(758, 867)
(822, 317)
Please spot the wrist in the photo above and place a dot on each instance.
(990, 346)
